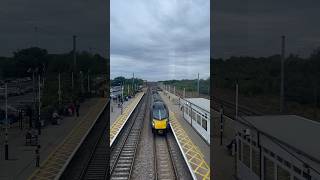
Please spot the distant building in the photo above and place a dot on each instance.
(279, 147)
(115, 91)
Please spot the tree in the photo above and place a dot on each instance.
(34, 58)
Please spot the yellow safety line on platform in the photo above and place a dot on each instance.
(194, 156)
(57, 158)
(121, 120)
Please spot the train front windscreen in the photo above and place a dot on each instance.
(159, 111)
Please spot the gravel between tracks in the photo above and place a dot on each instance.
(143, 167)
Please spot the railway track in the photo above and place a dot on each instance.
(90, 159)
(97, 166)
(163, 159)
(123, 153)
(229, 108)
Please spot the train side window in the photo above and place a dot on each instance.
(297, 170)
(193, 113)
(306, 175)
(204, 124)
(240, 150)
(268, 169)
(198, 119)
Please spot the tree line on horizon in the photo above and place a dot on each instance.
(34, 58)
(127, 84)
(261, 76)
(191, 85)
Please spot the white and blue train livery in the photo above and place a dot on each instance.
(196, 111)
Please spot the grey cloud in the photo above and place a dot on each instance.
(157, 38)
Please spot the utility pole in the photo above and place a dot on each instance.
(221, 125)
(72, 81)
(6, 146)
(36, 35)
(133, 83)
(59, 90)
(184, 92)
(81, 81)
(34, 95)
(315, 94)
(282, 74)
(122, 89)
(122, 97)
(39, 105)
(74, 52)
(88, 81)
(198, 86)
(237, 99)
(74, 71)
(128, 89)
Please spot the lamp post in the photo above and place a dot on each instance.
(59, 89)
(6, 146)
(34, 94)
(88, 81)
(237, 98)
(81, 81)
(39, 105)
(221, 125)
(122, 98)
(72, 81)
(198, 86)
(282, 74)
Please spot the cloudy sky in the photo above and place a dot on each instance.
(160, 39)
(251, 27)
(57, 21)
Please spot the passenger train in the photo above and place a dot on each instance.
(159, 115)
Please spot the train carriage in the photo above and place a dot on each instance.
(197, 113)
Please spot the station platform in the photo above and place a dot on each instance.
(115, 111)
(57, 156)
(120, 120)
(194, 148)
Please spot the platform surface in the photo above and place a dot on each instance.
(115, 111)
(61, 154)
(121, 120)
